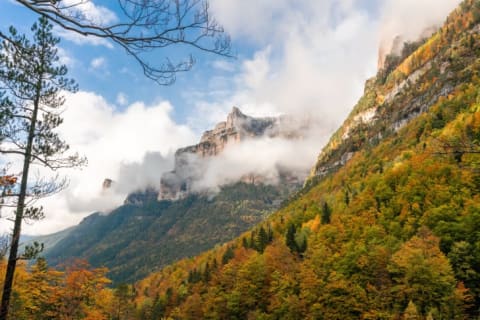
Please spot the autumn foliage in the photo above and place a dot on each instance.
(392, 234)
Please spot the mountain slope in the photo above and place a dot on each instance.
(387, 225)
(133, 240)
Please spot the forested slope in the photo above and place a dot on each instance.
(135, 239)
(387, 226)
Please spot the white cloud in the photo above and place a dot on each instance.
(312, 57)
(122, 99)
(141, 137)
(98, 63)
(66, 58)
(410, 17)
(267, 157)
(223, 65)
(88, 11)
(80, 39)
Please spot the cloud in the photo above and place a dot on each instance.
(66, 58)
(87, 11)
(312, 61)
(133, 147)
(98, 63)
(122, 99)
(223, 65)
(80, 39)
(312, 57)
(134, 176)
(410, 18)
(266, 157)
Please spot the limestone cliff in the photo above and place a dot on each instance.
(238, 127)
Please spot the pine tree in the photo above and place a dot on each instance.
(30, 108)
(326, 213)
(228, 255)
(262, 240)
(290, 238)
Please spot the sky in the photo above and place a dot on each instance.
(309, 58)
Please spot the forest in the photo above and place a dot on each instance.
(392, 233)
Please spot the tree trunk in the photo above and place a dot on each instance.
(12, 258)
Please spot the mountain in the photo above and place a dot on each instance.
(387, 224)
(146, 233)
(190, 161)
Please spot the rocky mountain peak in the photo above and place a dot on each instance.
(238, 127)
(235, 118)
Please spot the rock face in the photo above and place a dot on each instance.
(107, 184)
(395, 46)
(238, 127)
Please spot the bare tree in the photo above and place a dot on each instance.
(142, 26)
(32, 82)
(456, 147)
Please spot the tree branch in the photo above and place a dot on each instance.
(146, 25)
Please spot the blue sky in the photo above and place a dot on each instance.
(309, 58)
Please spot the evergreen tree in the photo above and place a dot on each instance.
(228, 255)
(290, 238)
(206, 273)
(245, 243)
(326, 213)
(30, 107)
(262, 240)
(347, 197)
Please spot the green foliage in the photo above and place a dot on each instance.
(290, 237)
(228, 255)
(326, 213)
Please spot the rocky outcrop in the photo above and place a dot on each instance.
(395, 46)
(238, 127)
(107, 184)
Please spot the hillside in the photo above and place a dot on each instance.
(387, 225)
(134, 239)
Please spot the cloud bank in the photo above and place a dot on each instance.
(133, 147)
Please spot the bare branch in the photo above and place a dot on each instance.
(144, 26)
